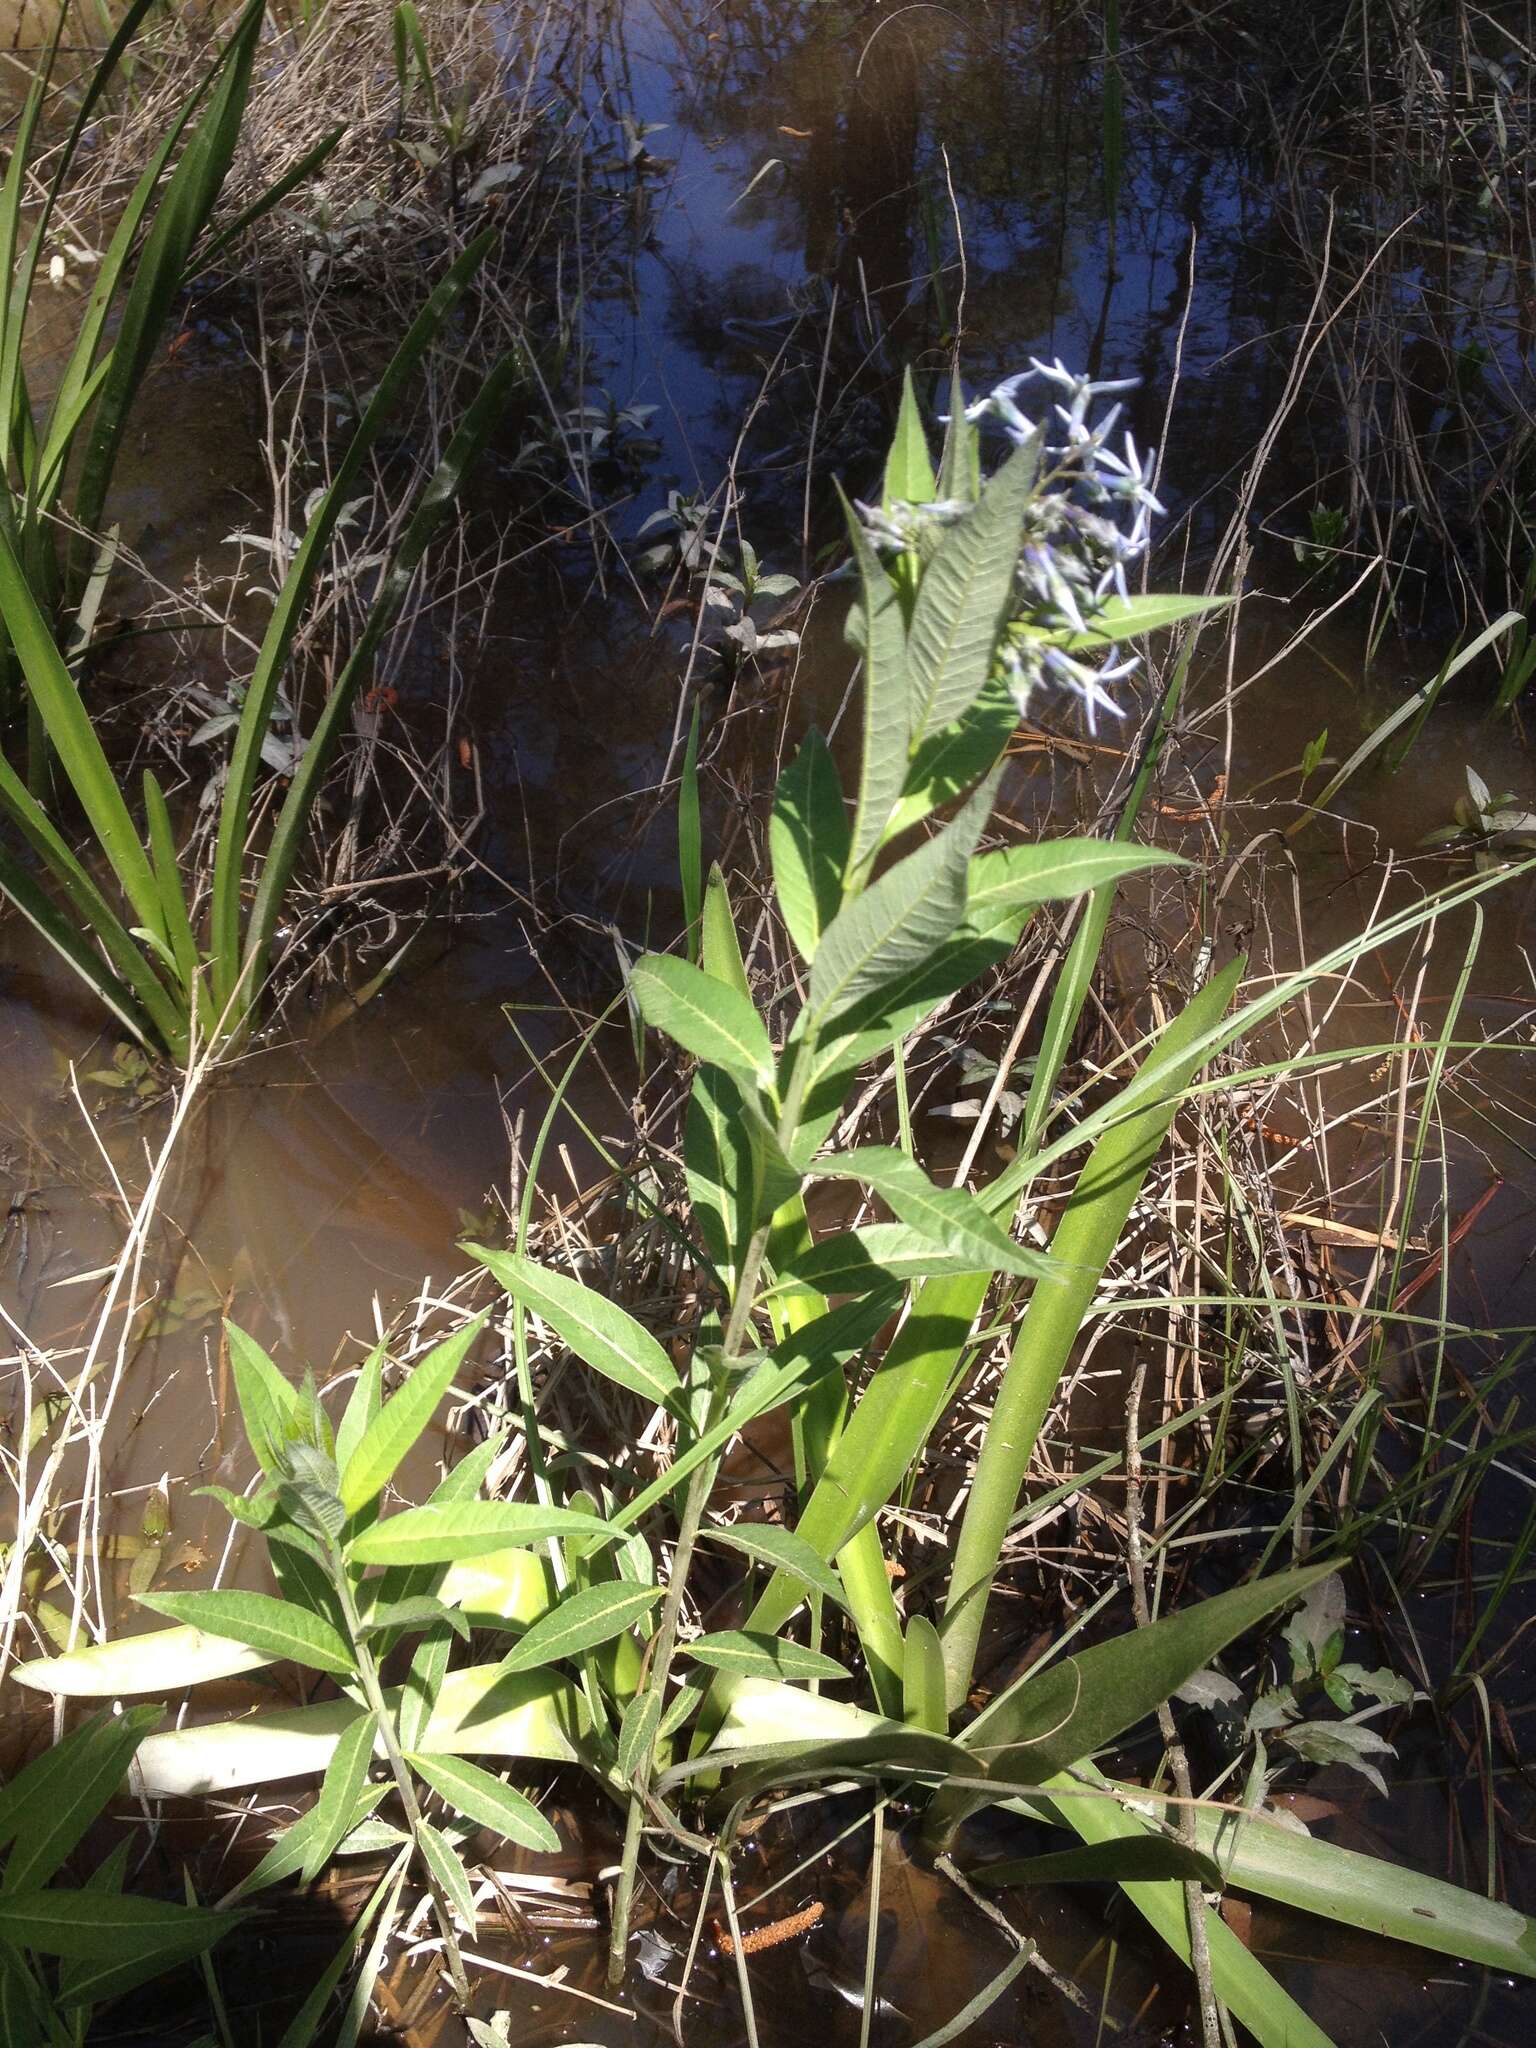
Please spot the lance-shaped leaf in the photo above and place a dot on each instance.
(1082, 1703)
(388, 1438)
(737, 1649)
(581, 1621)
(601, 1334)
(1016, 878)
(269, 1406)
(781, 1550)
(278, 1628)
(290, 1850)
(963, 599)
(442, 1859)
(717, 1024)
(909, 467)
(950, 1218)
(899, 921)
(108, 1927)
(340, 1790)
(47, 1807)
(1145, 1858)
(1127, 618)
(854, 1260)
(877, 628)
(485, 1799)
(444, 1531)
(808, 841)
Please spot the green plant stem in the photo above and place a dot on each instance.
(405, 1785)
(700, 1486)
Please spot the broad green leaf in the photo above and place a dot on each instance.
(601, 1333)
(808, 840)
(909, 467)
(389, 1437)
(1258, 1855)
(922, 1677)
(950, 1218)
(782, 1550)
(1239, 1979)
(269, 1406)
(444, 1531)
(442, 1859)
(47, 1807)
(581, 1621)
(482, 1798)
(638, 1732)
(1146, 1858)
(278, 1628)
(162, 1661)
(853, 1261)
(886, 1431)
(1083, 1702)
(877, 628)
(947, 763)
(760, 1656)
(703, 1016)
(340, 1790)
(499, 1586)
(963, 599)
(899, 921)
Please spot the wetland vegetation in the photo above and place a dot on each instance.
(765, 841)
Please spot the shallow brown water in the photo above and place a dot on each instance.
(814, 161)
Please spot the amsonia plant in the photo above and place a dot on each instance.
(972, 593)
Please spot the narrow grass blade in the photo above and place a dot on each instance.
(271, 661)
(437, 499)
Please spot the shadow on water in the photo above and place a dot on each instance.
(793, 244)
